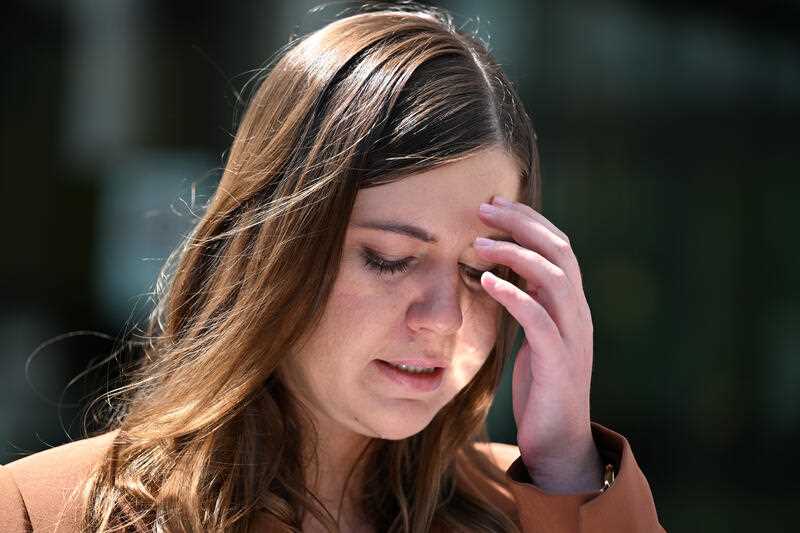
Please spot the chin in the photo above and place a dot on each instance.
(399, 428)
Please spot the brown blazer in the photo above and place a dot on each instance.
(34, 491)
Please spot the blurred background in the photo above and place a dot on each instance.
(668, 134)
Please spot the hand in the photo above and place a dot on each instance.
(552, 373)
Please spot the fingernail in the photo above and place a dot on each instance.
(488, 209)
(484, 243)
(501, 201)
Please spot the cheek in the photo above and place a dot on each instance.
(484, 317)
(355, 309)
(362, 307)
(476, 339)
(356, 318)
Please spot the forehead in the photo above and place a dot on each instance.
(447, 195)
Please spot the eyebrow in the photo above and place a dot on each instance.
(412, 231)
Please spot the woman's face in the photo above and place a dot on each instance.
(431, 311)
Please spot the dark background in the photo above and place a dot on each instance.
(668, 133)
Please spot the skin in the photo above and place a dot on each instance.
(442, 306)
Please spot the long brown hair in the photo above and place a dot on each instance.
(207, 433)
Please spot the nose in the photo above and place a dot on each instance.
(438, 309)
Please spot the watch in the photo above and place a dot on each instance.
(608, 477)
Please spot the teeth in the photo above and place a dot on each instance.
(415, 369)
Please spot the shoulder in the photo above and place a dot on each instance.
(13, 515)
(41, 486)
(502, 455)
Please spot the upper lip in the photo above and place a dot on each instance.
(421, 362)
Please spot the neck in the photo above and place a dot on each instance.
(333, 472)
(330, 465)
(330, 462)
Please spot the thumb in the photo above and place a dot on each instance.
(521, 381)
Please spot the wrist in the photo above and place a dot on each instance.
(567, 473)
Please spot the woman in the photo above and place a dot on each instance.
(325, 353)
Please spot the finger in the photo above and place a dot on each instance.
(531, 212)
(532, 234)
(553, 289)
(541, 331)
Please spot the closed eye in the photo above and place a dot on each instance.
(381, 265)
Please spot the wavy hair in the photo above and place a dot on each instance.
(207, 433)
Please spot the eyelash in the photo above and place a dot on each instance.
(375, 262)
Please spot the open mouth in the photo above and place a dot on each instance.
(420, 379)
(414, 369)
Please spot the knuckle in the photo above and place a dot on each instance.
(560, 277)
(562, 283)
(531, 256)
(563, 247)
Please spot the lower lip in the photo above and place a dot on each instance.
(419, 382)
